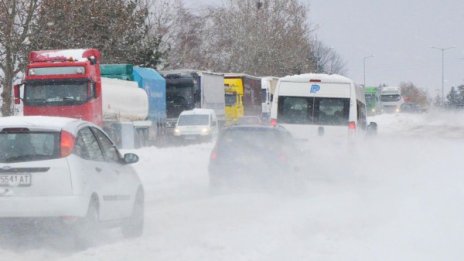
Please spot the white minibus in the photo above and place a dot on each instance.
(310, 105)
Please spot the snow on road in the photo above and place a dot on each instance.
(398, 196)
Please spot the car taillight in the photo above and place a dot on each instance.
(66, 143)
(352, 125)
(273, 122)
(283, 157)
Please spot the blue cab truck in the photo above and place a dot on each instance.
(151, 129)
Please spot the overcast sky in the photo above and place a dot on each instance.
(398, 33)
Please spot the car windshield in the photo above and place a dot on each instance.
(57, 92)
(311, 110)
(19, 146)
(193, 119)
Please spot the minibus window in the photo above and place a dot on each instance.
(331, 111)
(297, 110)
(311, 110)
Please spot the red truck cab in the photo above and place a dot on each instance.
(63, 83)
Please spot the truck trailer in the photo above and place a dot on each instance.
(190, 89)
(268, 86)
(69, 83)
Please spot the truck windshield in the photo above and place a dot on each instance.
(310, 110)
(193, 119)
(390, 97)
(179, 96)
(57, 92)
(370, 98)
(230, 99)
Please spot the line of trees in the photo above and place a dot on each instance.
(259, 37)
(455, 98)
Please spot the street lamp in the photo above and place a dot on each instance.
(443, 71)
(364, 67)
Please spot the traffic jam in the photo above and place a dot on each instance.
(110, 154)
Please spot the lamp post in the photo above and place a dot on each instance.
(364, 68)
(443, 70)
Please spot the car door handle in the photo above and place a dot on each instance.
(98, 169)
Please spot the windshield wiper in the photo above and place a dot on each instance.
(37, 101)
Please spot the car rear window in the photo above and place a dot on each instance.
(22, 145)
(266, 138)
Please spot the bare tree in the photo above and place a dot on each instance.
(16, 17)
(413, 94)
(265, 38)
(326, 59)
(179, 32)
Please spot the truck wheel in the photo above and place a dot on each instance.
(133, 227)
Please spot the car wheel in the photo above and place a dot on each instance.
(133, 227)
(87, 229)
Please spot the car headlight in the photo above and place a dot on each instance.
(176, 131)
(205, 130)
(373, 109)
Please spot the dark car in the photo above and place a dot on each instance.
(254, 156)
(411, 107)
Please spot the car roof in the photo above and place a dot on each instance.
(42, 123)
(257, 127)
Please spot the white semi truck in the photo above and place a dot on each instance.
(391, 99)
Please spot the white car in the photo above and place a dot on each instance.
(197, 124)
(67, 170)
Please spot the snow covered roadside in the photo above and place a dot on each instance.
(395, 197)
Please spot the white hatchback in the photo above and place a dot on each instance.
(67, 170)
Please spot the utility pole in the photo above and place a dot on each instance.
(364, 68)
(443, 71)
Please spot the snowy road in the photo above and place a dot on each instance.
(399, 196)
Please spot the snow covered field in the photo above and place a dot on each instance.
(398, 196)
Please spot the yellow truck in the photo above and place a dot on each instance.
(242, 96)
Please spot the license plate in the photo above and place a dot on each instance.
(15, 180)
(190, 137)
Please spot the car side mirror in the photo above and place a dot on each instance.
(130, 158)
(372, 129)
